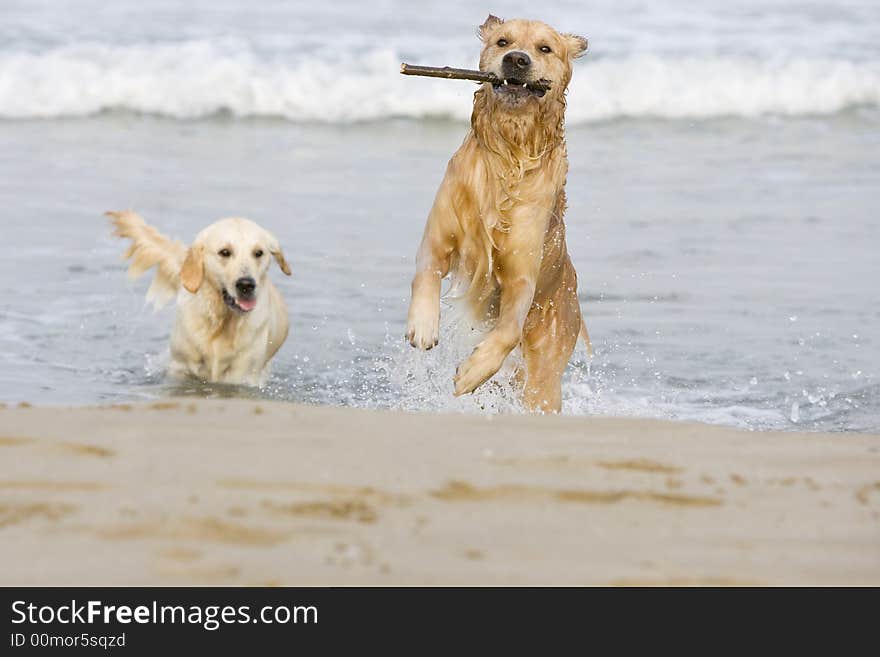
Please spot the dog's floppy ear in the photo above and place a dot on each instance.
(577, 45)
(277, 253)
(193, 271)
(279, 258)
(490, 22)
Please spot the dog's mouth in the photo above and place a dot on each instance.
(513, 88)
(238, 304)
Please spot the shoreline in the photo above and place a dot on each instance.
(245, 492)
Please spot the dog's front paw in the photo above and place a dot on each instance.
(483, 362)
(423, 329)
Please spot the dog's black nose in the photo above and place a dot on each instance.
(517, 59)
(245, 286)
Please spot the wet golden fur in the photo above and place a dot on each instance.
(497, 222)
(211, 341)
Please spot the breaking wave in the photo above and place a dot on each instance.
(196, 79)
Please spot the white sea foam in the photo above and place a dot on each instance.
(196, 79)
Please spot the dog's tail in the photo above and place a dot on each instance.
(585, 336)
(149, 248)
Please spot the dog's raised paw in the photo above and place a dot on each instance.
(480, 366)
(423, 334)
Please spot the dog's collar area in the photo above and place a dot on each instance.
(231, 301)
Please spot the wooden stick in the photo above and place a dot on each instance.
(462, 74)
(449, 73)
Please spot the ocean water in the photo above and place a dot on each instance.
(724, 197)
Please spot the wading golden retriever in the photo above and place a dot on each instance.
(230, 319)
(496, 223)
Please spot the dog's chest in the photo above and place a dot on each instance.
(235, 353)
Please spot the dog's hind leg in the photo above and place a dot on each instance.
(547, 345)
(543, 385)
(550, 335)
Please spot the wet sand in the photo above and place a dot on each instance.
(253, 493)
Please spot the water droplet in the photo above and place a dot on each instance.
(795, 412)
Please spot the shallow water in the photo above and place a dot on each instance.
(723, 196)
(728, 268)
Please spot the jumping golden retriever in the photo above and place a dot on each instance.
(230, 320)
(496, 223)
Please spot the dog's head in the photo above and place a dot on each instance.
(232, 256)
(527, 56)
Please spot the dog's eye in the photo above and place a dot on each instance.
(258, 253)
(224, 253)
(545, 49)
(502, 42)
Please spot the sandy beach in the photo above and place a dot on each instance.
(239, 492)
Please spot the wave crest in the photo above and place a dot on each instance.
(202, 78)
